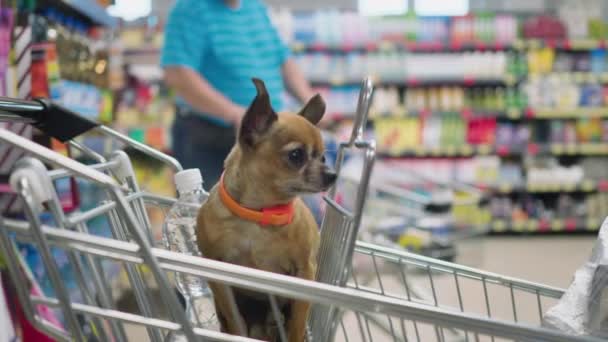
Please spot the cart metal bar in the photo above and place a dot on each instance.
(63, 173)
(11, 254)
(166, 291)
(16, 110)
(41, 242)
(340, 229)
(168, 160)
(10, 106)
(104, 208)
(449, 268)
(124, 210)
(55, 158)
(87, 151)
(319, 293)
(139, 320)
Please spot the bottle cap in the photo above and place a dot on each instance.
(188, 180)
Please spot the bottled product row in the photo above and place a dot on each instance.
(409, 135)
(335, 28)
(498, 176)
(534, 215)
(500, 66)
(543, 98)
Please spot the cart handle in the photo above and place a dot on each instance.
(51, 118)
(64, 124)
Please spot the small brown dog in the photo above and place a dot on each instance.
(254, 218)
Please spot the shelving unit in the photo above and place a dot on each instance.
(87, 10)
(403, 125)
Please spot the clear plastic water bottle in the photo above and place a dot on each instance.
(179, 236)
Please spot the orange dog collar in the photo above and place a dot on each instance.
(279, 215)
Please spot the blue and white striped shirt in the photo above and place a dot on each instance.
(227, 46)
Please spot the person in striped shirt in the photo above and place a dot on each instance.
(212, 49)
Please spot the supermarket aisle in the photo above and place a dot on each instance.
(549, 260)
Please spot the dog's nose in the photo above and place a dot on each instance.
(329, 178)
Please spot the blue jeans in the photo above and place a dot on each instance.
(199, 143)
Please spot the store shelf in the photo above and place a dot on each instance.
(563, 44)
(587, 185)
(511, 114)
(389, 45)
(567, 225)
(576, 77)
(417, 82)
(87, 10)
(400, 46)
(466, 150)
(575, 113)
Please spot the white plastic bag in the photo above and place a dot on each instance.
(583, 309)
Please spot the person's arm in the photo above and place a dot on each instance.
(197, 92)
(295, 81)
(183, 53)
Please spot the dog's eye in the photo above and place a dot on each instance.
(297, 156)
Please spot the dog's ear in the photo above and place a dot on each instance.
(259, 116)
(315, 108)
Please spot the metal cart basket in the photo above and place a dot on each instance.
(364, 292)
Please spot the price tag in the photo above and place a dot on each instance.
(557, 225)
(569, 187)
(505, 188)
(466, 150)
(592, 224)
(336, 81)
(502, 150)
(587, 185)
(513, 113)
(570, 224)
(468, 80)
(571, 149)
(603, 185)
(297, 46)
(543, 225)
(530, 113)
(499, 226)
(518, 226)
(533, 149)
(412, 82)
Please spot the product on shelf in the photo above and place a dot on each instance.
(399, 66)
(333, 28)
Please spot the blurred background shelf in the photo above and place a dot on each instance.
(89, 11)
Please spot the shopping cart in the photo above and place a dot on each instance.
(352, 299)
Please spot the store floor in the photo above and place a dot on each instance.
(548, 260)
